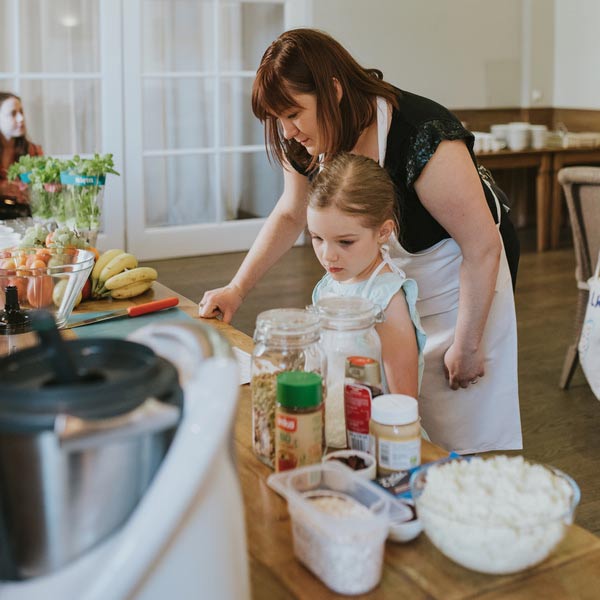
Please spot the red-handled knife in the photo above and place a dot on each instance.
(132, 311)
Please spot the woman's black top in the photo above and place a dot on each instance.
(417, 128)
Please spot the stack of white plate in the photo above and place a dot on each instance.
(8, 237)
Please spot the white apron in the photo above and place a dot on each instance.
(484, 416)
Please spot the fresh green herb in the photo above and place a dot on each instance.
(46, 197)
(65, 237)
(34, 237)
(98, 166)
(84, 201)
(25, 164)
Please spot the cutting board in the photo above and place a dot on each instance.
(122, 327)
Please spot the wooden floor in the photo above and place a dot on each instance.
(561, 428)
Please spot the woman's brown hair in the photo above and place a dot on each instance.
(357, 186)
(306, 61)
(22, 144)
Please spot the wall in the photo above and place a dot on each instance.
(577, 54)
(463, 53)
(539, 64)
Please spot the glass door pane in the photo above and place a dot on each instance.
(203, 183)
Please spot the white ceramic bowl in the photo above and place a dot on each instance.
(404, 527)
(342, 456)
(500, 131)
(518, 136)
(477, 521)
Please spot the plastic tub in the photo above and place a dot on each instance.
(339, 523)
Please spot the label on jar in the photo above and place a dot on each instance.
(298, 439)
(357, 410)
(397, 456)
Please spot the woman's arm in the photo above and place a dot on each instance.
(277, 236)
(450, 189)
(399, 348)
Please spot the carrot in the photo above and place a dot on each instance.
(37, 264)
(43, 254)
(39, 291)
(95, 251)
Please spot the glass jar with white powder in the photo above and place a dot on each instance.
(347, 329)
(396, 433)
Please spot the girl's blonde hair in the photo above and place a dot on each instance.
(358, 186)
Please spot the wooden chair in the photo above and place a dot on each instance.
(582, 192)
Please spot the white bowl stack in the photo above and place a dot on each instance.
(518, 135)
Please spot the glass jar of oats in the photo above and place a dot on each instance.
(285, 339)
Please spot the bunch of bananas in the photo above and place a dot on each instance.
(117, 274)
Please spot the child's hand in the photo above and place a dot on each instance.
(463, 368)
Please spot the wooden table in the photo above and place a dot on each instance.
(415, 570)
(548, 162)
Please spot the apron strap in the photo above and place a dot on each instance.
(498, 209)
(387, 260)
(381, 129)
(374, 274)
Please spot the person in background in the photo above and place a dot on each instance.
(13, 144)
(456, 240)
(351, 219)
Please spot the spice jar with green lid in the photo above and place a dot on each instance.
(299, 422)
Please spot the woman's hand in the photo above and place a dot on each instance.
(222, 301)
(463, 368)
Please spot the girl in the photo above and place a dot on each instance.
(350, 220)
(13, 143)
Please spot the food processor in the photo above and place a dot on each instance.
(117, 468)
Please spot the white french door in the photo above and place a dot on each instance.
(198, 179)
(64, 58)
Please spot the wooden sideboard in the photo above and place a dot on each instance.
(548, 195)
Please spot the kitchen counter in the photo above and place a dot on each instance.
(414, 570)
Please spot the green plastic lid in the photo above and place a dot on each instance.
(299, 389)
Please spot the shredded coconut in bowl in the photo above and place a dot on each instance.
(496, 515)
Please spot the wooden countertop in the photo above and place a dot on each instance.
(416, 570)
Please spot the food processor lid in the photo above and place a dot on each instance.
(115, 376)
(13, 319)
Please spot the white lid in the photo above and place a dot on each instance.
(394, 409)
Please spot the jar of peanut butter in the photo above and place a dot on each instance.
(396, 433)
